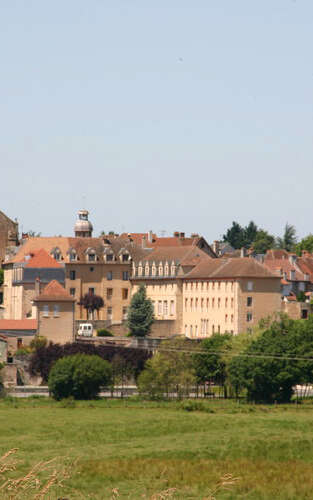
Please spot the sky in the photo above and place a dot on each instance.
(170, 115)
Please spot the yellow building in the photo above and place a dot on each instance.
(196, 296)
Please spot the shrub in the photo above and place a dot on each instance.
(104, 333)
(37, 342)
(79, 376)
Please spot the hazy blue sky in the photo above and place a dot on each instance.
(167, 114)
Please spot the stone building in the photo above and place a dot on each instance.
(196, 296)
(8, 234)
(55, 310)
(82, 263)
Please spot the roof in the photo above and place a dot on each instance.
(80, 245)
(276, 254)
(168, 241)
(230, 269)
(54, 292)
(42, 259)
(275, 265)
(18, 324)
(185, 255)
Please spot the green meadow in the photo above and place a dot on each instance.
(139, 450)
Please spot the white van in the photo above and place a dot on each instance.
(85, 330)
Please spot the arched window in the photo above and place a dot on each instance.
(108, 255)
(140, 269)
(91, 255)
(160, 269)
(166, 269)
(153, 269)
(147, 269)
(173, 269)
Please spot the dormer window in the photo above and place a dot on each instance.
(73, 256)
(91, 255)
(125, 257)
(166, 269)
(140, 269)
(160, 270)
(173, 269)
(56, 253)
(153, 269)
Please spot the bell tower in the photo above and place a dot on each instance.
(83, 227)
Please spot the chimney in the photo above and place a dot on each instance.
(143, 242)
(242, 252)
(216, 246)
(150, 236)
(37, 287)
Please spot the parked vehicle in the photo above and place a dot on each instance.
(85, 330)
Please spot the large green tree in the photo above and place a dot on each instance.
(263, 241)
(289, 238)
(140, 314)
(305, 244)
(269, 369)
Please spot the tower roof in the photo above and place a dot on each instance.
(83, 226)
(54, 292)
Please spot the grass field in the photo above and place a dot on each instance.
(142, 449)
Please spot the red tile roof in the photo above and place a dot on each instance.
(18, 324)
(185, 255)
(54, 292)
(230, 269)
(42, 259)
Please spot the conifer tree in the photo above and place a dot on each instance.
(140, 314)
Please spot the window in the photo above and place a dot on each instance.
(166, 269)
(91, 269)
(213, 302)
(125, 257)
(124, 313)
(72, 291)
(165, 308)
(19, 343)
(125, 275)
(196, 305)
(91, 291)
(249, 316)
(109, 275)
(186, 304)
(226, 318)
(73, 256)
(139, 270)
(160, 270)
(45, 311)
(232, 302)
(109, 257)
(232, 318)
(213, 329)
(191, 331)
(125, 293)
(153, 270)
(172, 308)
(173, 270)
(186, 330)
(218, 302)
(110, 313)
(219, 285)
(92, 257)
(147, 270)
(191, 304)
(202, 304)
(250, 286)
(207, 304)
(196, 331)
(56, 311)
(226, 302)
(218, 329)
(160, 307)
(72, 275)
(109, 293)
(304, 314)
(249, 301)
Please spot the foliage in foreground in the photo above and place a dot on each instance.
(80, 376)
(45, 357)
(140, 314)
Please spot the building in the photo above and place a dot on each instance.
(82, 263)
(55, 313)
(20, 278)
(8, 234)
(196, 296)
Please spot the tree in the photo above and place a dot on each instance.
(91, 303)
(79, 376)
(140, 314)
(235, 236)
(169, 371)
(211, 366)
(263, 241)
(267, 369)
(250, 233)
(289, 239)
(305, 244)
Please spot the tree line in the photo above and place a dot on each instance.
(252, 236)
